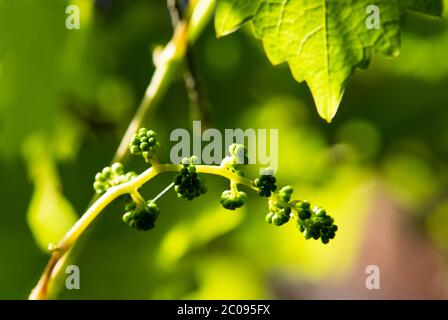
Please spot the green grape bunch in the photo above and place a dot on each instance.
(111, 176)
(142, 214)
(266, 185)
(144, 142)
(233, 199)
(141, 217)
(187, 183)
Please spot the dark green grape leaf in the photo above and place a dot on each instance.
(323, 41)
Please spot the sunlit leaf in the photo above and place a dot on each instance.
(322, 41)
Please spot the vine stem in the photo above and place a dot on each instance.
(59, 252)
(168, 62)
(199, 109)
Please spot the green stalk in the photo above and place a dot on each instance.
(61, 251)
(168, 63)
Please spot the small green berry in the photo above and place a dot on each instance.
(107, 172)
(144, 146)
(117, 168)
(135, 150)
(285, 193)
(318, 211)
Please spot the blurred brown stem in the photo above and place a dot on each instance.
(199, 107)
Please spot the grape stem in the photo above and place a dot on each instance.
(131, 187)
(167, 64)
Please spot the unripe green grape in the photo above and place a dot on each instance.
(144, 146)
(117, 168)
(304, 214)
(99, 177)
(127, 217)
(307, 234)
(269, 217)
(99, 187)
(304, 204)
(107, 172)
(320, 212)
(285, 193)
(130, 206)
(135, 150)
(277, 220)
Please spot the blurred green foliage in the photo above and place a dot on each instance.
(77, 90)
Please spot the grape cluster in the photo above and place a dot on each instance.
(144, 142)
(141, 217)
(233, 199)
(111, 176)
(280, 212)
(187, 183)
(266, 185)
(315, 223)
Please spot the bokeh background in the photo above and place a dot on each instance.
(380, 168)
